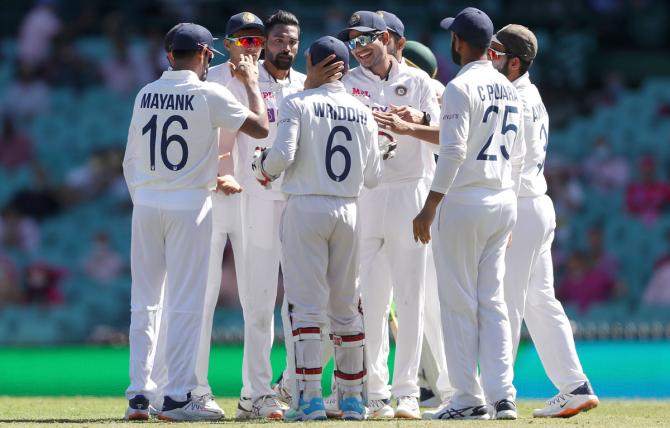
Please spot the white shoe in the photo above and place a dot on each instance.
(283, 392)
(380, 409)
(569, 404)
(408, 408)
(244, 408)
(189, 410)
(207, 401)
(449, 412)
(332, 406)
(138, 409)
(268, 407)
(505, 409)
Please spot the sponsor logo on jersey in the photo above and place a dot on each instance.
(167, 101)
(359, 92)
(267, 95)
(401, 91)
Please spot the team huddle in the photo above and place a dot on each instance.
(333, 175)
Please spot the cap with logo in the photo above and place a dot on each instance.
(420, 56)
(393, 23)
(472, 25)
(517, 41)
(189, 37)
(363, 21)
(243, 21)
(328, 45)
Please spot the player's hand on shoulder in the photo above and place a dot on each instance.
(263, 178)
(322, 72)
(246, 70)
(228, 185)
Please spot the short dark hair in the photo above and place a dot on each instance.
(281, 17)
(395, 36)
(183, 54)
(524, 66)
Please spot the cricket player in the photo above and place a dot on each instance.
(170, 182)
(481, 155)
(226, 199)
(262, 210)
(529, 275)
(327, 144)
(391, 262)
(433, 363)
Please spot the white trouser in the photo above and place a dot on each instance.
(469, 237)
(169, 255)
(432, 333)
(258, 293)
(392, 263)
(529, 293)
(320, 264)
(226, 224)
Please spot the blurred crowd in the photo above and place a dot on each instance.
(48, 57)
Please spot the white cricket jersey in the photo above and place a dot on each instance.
(536, 136)
(327, 143)
(222, 75)
(273, 91)
(171, 154)
(438, 87)
(481, 131)
(404, 85)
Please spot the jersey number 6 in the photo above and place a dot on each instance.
(165, 142)
(505, 127)
(331, 150)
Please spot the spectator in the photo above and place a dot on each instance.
(68, 68)
(9, 286)
(647, 198)
(603, 169)
(596, 255)
(16, 149)
(658, 289)
(41, 200)
(18, 232)
(103, 264)
(584, 285)
(38, 29)
(124, 72)
(42, 281)
(27, 96)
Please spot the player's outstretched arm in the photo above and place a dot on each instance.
(422, 222)
(256, 125)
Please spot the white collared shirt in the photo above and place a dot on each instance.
(404, 85)
(171, 154)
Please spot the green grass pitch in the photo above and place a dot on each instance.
(101, 411)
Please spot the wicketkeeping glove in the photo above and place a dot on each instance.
(387, 144)
(260, 153)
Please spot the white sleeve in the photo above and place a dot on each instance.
(454, 129)
(224, 109)
(282, 153)
(372, 173)
(129, 159)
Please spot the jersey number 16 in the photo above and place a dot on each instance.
(165, 142)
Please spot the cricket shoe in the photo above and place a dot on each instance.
(312, 410)
(407, 408)
(380, 409)
(189, 410)
(268, 407)
(352, 408)
(505, 409)
(207, 401)
(332, 406)
(428, 398)
(449, 412)
(138, 409)
(245, 408)
(283, 392)
(569, 404)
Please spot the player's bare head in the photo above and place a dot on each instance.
(471, 33)
(396, 30)
(367, 37)
(245, 35)
(326, 46)
(282, 31)
(190, 47)
(513, 50)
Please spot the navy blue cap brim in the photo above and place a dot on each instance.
(344, 34)
(248, 26)
(447, 23)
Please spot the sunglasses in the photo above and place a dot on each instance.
(495, 55)
(247, 41)
(363, 40)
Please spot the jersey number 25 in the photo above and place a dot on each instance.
(505, 128)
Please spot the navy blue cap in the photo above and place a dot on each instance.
(364, 21)
(189, 37)
(328, 45)
(243, 21)
(472, 25)
(393, 23)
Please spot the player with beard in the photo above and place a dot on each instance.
(261, 211)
